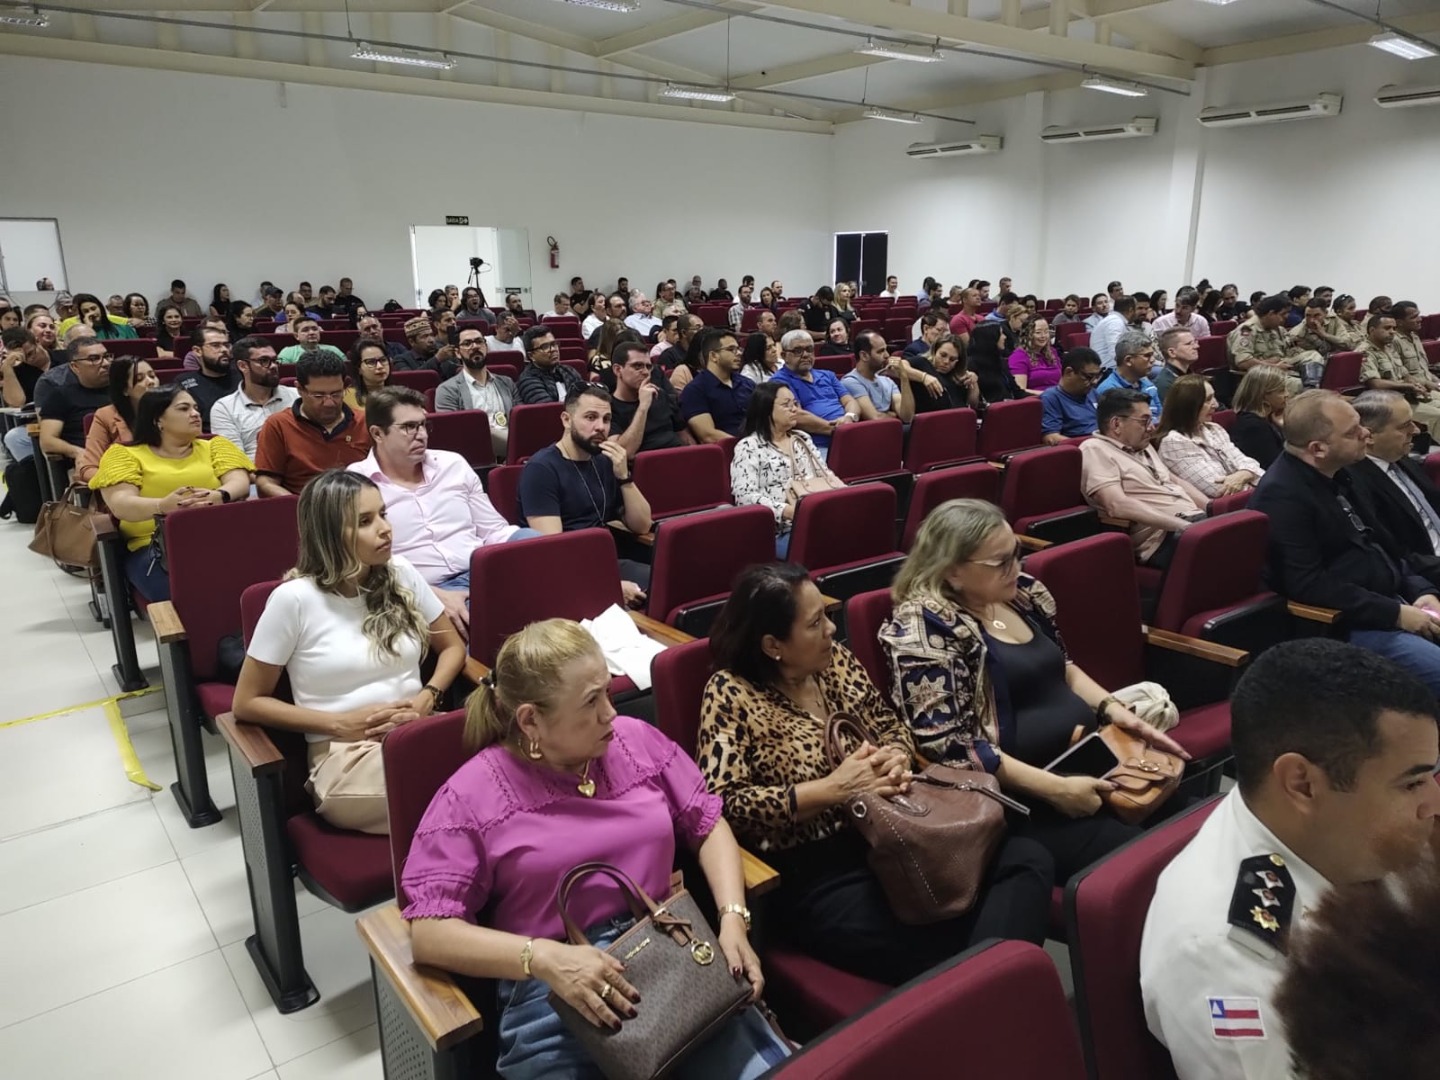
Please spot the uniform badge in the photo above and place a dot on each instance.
(1265, 919)
(1236, 1018)
(1265, 926)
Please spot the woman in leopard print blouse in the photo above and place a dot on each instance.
(779, 676)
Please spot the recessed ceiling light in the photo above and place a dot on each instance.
(624, 6)
(1113, 86)
(401, 56)
(896, 52)
(695, 93)
(892, 117)
(1404, 47)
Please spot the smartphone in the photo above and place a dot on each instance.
(1088, 757)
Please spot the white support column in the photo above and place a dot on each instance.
(1060, 18)
(960, 7)
(1027, 160)
(1187, 176)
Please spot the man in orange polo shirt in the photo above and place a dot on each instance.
(318, 432)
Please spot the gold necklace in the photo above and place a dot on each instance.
(586, 786)
(996, 623)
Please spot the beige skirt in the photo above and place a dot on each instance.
(347, 782)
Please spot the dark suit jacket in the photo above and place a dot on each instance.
(1386, 507)
(1319, 556)
(1257, 438)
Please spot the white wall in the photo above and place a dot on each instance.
(225, 179)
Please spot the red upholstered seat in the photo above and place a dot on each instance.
(348, 869)
(532, 428)
(946, 437)
(466, 432)
(870, 449)
(1342, 371)
(683, 480)
(1010, 426)
(502, 486)
(1041, 495)
(419, 758)
(215, 697)
(977, 481)
(1212, 356)
(865, 613)
(698, 558)
(1204, 731)
(416, 380)
(1105, 908)
(846, 538)
(811, 996)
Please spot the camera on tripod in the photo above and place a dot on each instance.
(476, 263)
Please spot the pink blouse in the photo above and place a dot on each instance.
(501, 833)
(1041, 374)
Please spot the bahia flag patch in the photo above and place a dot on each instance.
(1236, 1018)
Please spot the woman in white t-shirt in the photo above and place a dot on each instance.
(349, 625)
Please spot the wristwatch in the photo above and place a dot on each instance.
(626, 482)
(737, 909)
(224, 496)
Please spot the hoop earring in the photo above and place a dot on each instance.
(533, 753)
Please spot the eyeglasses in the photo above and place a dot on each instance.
(411, 428)
(1005, 562)
(802, 350)
(324, 395)
(545, 347)
(102, 358)
(262, 361)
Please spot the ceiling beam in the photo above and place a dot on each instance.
(668, 28)
(809, 69)
(885, 14)
(53, 48)
(975, 95)
(1335, 38)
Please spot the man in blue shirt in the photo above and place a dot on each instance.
(1069, 406)
(713, 403)
(873, 380)
(826, 403)
(1134, 353)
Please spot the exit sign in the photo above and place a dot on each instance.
(456, 219)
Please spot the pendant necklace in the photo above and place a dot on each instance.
(586, 786)
(996, 623)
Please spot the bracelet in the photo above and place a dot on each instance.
(794, 802)
(435, 693)
(1100, 717)
(736, 909)
(626, 482)
(527, 953)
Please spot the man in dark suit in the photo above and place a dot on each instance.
(1397, 497)
(1322, 552)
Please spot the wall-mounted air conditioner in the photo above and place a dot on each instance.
(1406, 97)
(1138, 128)
(1317, 108)
(980, 144)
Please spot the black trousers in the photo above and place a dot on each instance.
(1073, 843)
(831, 906)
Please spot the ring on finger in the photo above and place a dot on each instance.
(605, 992)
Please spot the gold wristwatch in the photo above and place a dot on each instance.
(738, 909)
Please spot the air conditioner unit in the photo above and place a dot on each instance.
(1318, 107)
(1406, 97)
(980, 144)
(1138, 128)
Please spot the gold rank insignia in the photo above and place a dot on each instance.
(1277, 860)
(1265, 919)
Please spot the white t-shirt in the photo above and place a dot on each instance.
(315, 636)
(494, 344)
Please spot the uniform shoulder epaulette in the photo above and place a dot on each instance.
(1262, 904)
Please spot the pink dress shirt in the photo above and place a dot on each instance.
(439, 523)
(501, 833)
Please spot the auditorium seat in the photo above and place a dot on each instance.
(846, 539)
(870, 450)
(1228, 504)
(682, 479)
(697, 559)
(1009, 427)
(1040, 495)
(532, 428)
(502, 486)
(1342, 373)
(416, 380)
(465, 432)
(942, 438)
(979, 480)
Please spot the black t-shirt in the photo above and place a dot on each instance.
(27, 375)
(582, 494)
(347, 304)
(208, 389)
(663, 423)
(953, 395)
(60, 396)
(818, 316)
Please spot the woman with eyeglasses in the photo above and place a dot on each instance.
(167, 467)
(1035, 364)
(369, 366)
(980, 673)
(959, 386)
(129, 380)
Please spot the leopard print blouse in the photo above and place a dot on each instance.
(755, 744)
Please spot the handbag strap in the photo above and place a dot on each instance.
(636, 898)
(822, 471)
(839, 725)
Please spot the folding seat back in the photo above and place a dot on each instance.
(683, 480)
(579, 366)
(343, 340)
(1430, 326)
(897, 327)
(1010, 426)
(750, 319)
(980, 480)
(698, 558)
(1214, 591)
(1432, 466)
(1041, 495)
(466, 433)
(532, 428)
(1432, 349)
(510, 371)
(866, 324)
(419, 758)
(142, 348)
(1066, 331)
(571, 575)
(1105, 909)
(944, 437)
(869, 449)
(865, 613)
(502, 485)
(1222, 327)
(846, 539)
(1093, 582)
(416, 380)
(679, 675)
(839, 366)
(1009, 990)
(1342, 371)
(1212, 355)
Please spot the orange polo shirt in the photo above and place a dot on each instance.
(293, 448)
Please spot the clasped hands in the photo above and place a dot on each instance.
(880, 770)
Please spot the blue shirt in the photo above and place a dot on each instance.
(819, 397)
(1067, 415)
(726, 404)
(880, 390)
(1114, 382)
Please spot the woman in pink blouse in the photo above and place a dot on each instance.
(1035, 365)
(560, 779)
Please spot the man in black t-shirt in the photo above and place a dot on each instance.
(67, 392)
(345, 300)
(217, 377)
(819, 310)
(645, 409)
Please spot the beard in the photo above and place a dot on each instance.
(586, 445)
(476, 363)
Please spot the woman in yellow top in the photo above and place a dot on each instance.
(168, 467)
(130, 378)
(369, 367)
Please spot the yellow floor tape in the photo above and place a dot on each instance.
(134, 771)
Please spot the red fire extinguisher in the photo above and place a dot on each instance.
(554, 253)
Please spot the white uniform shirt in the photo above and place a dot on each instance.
(1207, 985)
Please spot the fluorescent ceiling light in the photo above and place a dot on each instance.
(695, 93)
(33, 17)
(625, 6)
(1218, 3)
(894, 118)
(1111, 86)
(401, 56)
(1404, 47)
(895, 52)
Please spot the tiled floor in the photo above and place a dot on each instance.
(122, 930)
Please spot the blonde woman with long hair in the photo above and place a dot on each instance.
(559, 779)
(350, 626)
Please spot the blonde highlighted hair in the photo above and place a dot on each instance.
(328, 519)
(527, 670)
(950, 534)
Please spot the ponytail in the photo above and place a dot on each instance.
(528, 669)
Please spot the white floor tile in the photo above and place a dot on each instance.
(355, 1057)
(338, 965)
(183, 1022)
(79, 854)
(69, 948)
(218, 877)
(61, 768)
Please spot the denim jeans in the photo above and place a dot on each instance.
(782, 545)
(535, 1044)
(144, 572)
(1412, 652)
(462, 579)
(18, 444)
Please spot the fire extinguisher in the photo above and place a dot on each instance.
(554, 253)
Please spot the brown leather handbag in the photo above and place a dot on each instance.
(930, 848)
(673, 958)
(65, 531)
(1144, 779)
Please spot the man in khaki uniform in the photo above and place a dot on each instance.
(1408, 345)
(1383, 369)
(1312, 333)
(1263, 339)
(1346, 322)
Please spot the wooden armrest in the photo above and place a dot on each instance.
(1328, 616)
(253, 742)
(659, 631)
(760, 878)
(831, 604)
(1120, 523)
(165, 621)
(474, 670)
(1203, 650)
(1033, 543)
(106, 529)
(999, 466)
(444, 1013)
(33, 430)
